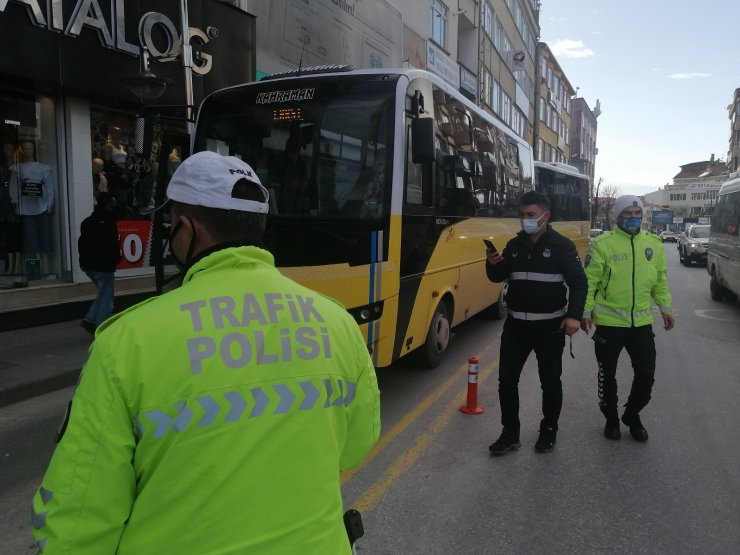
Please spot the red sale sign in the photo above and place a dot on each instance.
(136, 243)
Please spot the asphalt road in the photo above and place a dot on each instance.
(431, 487)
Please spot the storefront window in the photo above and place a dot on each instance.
(116, 167)
(30, 238)
(131, 178)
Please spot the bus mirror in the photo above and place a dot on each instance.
(422, 140)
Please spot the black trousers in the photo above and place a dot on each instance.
(640, 345)
(518, 340)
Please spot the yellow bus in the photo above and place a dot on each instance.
(383, 185)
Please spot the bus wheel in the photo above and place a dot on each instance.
(716, 291)
(430, 354)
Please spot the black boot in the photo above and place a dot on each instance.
(611, 430)
(507, 441)
(546, 441)
(637, 430)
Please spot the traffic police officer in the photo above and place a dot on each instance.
(215, 418)
(626, 268)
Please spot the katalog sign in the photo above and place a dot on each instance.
(104, 39)
(136, 243)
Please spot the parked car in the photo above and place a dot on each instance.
(693, 243)
(668, 236)
(723, 262)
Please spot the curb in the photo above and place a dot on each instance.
(26, 390)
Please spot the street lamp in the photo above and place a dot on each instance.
(146, 85)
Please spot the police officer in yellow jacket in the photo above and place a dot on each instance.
(215, 418)
(626, 271)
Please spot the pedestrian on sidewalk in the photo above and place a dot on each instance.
(100, 251)
(215, 418)
(539, 263)
(626, 271)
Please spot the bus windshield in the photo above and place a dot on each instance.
(323, 148)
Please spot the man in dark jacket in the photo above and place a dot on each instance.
(100, 251)
(538, 263)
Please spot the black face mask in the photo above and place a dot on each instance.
(183, 266)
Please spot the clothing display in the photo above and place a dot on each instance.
(32, 188)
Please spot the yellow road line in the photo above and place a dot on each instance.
(409, 418)
(372, 494)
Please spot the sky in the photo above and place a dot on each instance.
(664, 72)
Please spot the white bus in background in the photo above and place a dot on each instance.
(723, 257)
(570, 206)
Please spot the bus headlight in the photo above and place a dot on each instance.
(367, 313)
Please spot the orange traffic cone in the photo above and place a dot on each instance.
(471, 407)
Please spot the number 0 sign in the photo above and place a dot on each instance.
(136, 242)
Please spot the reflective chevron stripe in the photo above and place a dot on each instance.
(39, 520)
(311, 395)
(183, 418)
(286, 398)
(205, 410)
(46, 495)
(260, 402)
(238, 405)
(210, 410)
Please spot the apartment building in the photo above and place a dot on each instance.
(553, 109)
(583, 128)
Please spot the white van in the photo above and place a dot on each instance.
(723, 258)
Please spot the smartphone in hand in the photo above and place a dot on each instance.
(490, 245)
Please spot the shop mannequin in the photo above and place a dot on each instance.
(100, 182)
(114, 157)
(33, 192)
(114, 151)
(10, 223)
(173, 160)
(29, 149)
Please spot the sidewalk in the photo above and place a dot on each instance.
(40, 359)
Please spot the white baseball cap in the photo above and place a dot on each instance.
(207, 179)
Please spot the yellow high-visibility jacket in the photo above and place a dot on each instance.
(625, 273)
(214, 419)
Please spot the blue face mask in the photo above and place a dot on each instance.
(629, 225)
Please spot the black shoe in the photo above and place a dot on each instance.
(546, 441)
(88, 326)
(637, 430)
(611, 430)
(506, 441)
